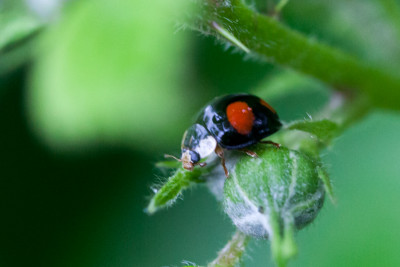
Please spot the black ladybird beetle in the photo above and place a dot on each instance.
(233, 121)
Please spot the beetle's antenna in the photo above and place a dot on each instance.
(173, 157)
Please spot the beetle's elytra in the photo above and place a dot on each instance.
(233, 121)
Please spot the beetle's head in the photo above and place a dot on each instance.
(197, 144)
(189, 159)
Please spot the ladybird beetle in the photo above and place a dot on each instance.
(230, 122)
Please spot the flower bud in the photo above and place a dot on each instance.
(272, 194)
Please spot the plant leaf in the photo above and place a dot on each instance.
(323, 175)
(111, 74)
(324, 130)
(174, 186)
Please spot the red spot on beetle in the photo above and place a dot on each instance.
(240, 116)
(265, 104)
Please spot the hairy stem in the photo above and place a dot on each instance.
(276, 43)
(232, 252)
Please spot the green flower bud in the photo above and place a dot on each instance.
(273, 194)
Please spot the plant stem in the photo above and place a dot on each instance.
(232, 252)
(276, 43)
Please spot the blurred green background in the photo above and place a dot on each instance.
(93, 93)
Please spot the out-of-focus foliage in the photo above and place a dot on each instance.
(111, 72)
(18, 24)
(361, 27)
(369, 29)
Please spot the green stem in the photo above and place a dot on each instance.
(283, 246)
(276, 43)
(232, 252)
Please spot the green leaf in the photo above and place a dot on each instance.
(323, 175)
(324, 130)
(174, 186)
(111, 73)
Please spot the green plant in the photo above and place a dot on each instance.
(102, 74)
(258, 195)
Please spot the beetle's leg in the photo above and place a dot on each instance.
(271, 143)
(220, 153)
(249, 152)
(201, 164)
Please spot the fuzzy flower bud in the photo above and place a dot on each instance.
(270, 196)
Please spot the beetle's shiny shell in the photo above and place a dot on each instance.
(239, 120)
